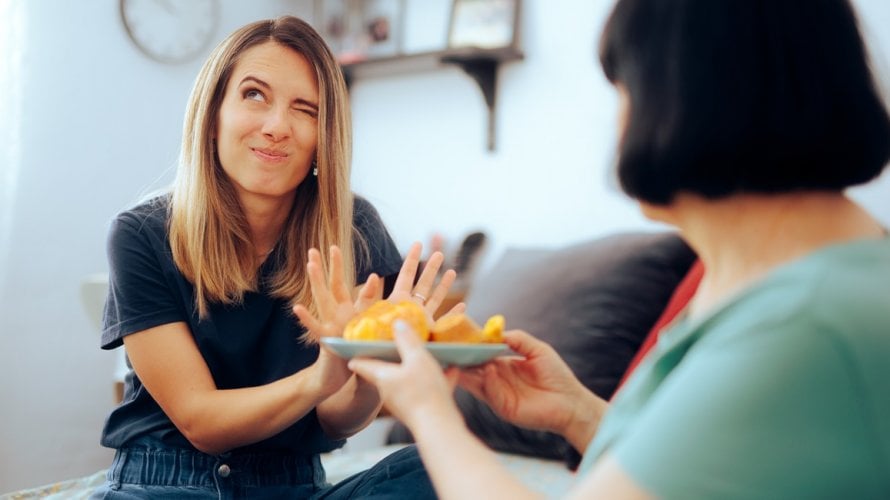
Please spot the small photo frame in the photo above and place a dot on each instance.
(484, 24)
(357, 30)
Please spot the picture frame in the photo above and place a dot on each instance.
(484, 24)
(358, 30)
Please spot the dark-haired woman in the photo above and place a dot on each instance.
(744, 121)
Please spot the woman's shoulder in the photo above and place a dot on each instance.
(365, 216)
(841, 291)
(150, 213)
(842, 276)
(362, 208)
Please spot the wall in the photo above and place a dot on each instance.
(549, 181)
(88, 125)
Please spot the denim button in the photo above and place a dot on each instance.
(224, 470)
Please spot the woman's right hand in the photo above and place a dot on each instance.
(537, 391)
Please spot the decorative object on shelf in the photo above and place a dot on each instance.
(485, 24)
(170, 31)
(359, 30)
(479, 59)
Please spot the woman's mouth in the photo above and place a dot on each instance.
(269, 154)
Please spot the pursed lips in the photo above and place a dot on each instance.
(269, 154)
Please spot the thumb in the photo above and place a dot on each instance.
(406, 339)
(371, 370)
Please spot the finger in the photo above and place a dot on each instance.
(318, 285)
(452, 375)
(427, 278)
(405, 280)
(308, 320)
(471, 382)
(458, 308)
(441, 291)
(337, 282)
(372, 370)
(368, 293)
(523, 343)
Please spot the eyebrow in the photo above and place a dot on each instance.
(265, 85)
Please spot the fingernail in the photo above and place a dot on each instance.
(401, 328)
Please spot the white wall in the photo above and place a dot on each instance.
(87, 125)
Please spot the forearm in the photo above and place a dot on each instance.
(459, 465)
(219, 420)
(350, 409)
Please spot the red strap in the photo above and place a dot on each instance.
(681, 296)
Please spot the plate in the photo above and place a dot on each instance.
(447, 353)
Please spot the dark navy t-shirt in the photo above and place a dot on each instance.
(244, 345)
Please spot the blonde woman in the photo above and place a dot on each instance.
(228, 396)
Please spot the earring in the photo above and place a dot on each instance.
(314, 168)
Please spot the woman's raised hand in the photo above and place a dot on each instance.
(333, 298)
(335, 305)
(426, 291)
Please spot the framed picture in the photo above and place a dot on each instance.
(357, 30)
(486, 24)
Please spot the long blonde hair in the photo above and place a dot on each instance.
(209, 234)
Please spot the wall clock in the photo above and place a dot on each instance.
(170, 31)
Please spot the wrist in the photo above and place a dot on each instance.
(318, 383)
(584, 421)
(434, 417)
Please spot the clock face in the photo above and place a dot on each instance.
(170, 31)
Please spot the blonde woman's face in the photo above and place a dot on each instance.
(267, 125)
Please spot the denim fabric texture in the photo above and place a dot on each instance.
(150, 472)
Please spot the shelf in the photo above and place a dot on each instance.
(480, 64)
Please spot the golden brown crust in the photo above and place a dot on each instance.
(376, 322)
(456, 328)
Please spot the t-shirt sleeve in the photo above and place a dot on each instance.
(374, 249)
(140, 295)
(727, 421)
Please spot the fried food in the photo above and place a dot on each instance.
(376, 323)
(461, 328)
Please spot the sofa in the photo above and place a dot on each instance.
(595, 302)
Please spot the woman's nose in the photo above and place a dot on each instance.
(276, 125)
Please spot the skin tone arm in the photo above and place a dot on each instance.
(420, 395)
(358, 402)
(171, 368)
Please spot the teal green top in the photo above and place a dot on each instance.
(782, 392)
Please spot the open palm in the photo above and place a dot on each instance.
(335, 305)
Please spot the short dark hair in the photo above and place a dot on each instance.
(731, 96)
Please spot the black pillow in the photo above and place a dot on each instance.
(594, 302)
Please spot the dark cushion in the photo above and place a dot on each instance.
(594, 302)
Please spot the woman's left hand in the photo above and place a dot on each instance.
(425, 291)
